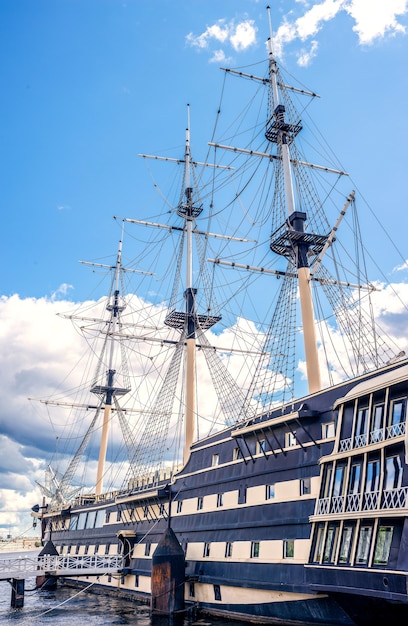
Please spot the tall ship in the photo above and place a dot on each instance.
(243, 392)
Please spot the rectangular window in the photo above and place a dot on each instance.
(147, 549)
(355, 475)
(398, 411)
(328, 472)
(242, 494)
(228, 549)
(82, 521)
(319, 545)
(373, 475)
(290, 440)
(328, 430)
(236, 454)
(179, 506)
(206, 551)
(200, 503)
(305, 486)
(90, 520)
(393, 473)
(118, 515)
(345, 546)
(215, 460)
(288, 548)
(100, 517)
(73, 522)
(192, 590)
(217, 593)
(361, 428)
(254, 549)
(220, 499)
(136, 580)
(377, 423)
(338, 481)
(383, 545)
(331, 544)
(363, 547)
(269, 492)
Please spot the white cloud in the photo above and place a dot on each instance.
(239, 36)
(305, 57)
(372, 20)
(375, 19)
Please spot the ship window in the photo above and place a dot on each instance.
(107, 547)
(398, 412)
(260, 446)
(328, 471)
(355, 476)
(242, 495)
(73, 522)
(345, 546)
(290, 440)
(254, 549)
(393, 473)
(107, 517)
(305, 486)
(215, 460)
(145, 511)
(360, 436)
(328, 430)
(338, 481)
(288, 548)
(377, 423)
(331, 544)
(363, 546)
(100, 516)
(118, 515)
(236, 454)
(206, 551)
(81, 521)
(136, 580)
(319, 544)
(90, 521)
(383, 545)
(228, 549)
(269, 492)
(373, 475)
(200, 503)
(179, 506)
(192, 590)
(220, 499)
(147, 549)
(217, 593)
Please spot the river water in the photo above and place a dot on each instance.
(67, 606)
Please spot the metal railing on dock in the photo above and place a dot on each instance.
(59, 565)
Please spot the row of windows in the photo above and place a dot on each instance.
(288, 549)
(358, 475)
(353, 544)
(87, 549)
(372, 423)
(262, 446)
(304, 489)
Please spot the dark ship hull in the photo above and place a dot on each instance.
(275, 524)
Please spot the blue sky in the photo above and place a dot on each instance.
(88, 84)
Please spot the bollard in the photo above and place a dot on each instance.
(17, 593)
(168, 575)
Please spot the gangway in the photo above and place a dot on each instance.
(18, 569)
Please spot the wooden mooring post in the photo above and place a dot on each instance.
(17, 593)
(168, 575)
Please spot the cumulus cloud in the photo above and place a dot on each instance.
(239, 36)
(371, 20)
